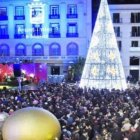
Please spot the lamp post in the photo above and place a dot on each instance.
(70, 72)
(19, 83)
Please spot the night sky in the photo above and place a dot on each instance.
(95, 6)
(96, 2)
(124, 1)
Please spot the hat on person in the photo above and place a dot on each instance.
(126, 125)
(126, 120)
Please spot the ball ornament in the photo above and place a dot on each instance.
(31, 123)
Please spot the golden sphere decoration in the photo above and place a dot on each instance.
(31, 123)
(3, 117)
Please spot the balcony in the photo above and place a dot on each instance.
(72, 35)
(72, 15)
(3, 17)
(49, 59)
(54, 35)
(57, 16)
(18, 36)
(4, 36)
(19, 17)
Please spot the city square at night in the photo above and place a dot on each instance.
(69, 70)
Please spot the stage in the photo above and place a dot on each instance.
(31, 86)
(29, 72)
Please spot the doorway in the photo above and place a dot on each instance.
(55, 70)
(135, 75)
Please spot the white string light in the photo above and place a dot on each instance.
(103, 67)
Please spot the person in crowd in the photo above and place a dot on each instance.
(84, 114)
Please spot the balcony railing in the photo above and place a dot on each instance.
(72, 34)
(57, 16)
(19, 17)
(53, 59)
(72, 15)
(18, 36)
(54, 35)
(4, 36)
(3, 17)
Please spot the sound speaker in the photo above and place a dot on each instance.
(17, 70)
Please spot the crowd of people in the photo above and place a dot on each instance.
(84, 114)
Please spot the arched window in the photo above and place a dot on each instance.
(54, 49)
(37, 49)
(4, 50)
(20, 49)
(72, 49)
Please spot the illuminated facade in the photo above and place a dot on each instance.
(126, 21)
(64, 33)
(52, 32)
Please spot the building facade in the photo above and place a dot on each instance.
(126, 20)
(45, 31)
(58, 32)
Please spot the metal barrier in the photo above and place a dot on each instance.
(55, 78)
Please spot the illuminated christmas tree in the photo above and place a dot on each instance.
(103, 67)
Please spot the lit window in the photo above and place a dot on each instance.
(36, 13)
(72, 30)
(54, 30)
(20, 49)
(72, 49)
(37, 49)
(4, 50)
(72, 9)
(19, 31)
(4, 31)
(54, 50)
(37, 30)
(54, 12)
(19, 11)
(3, 13)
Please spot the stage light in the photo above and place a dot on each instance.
(23, 71)
(32, 75)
